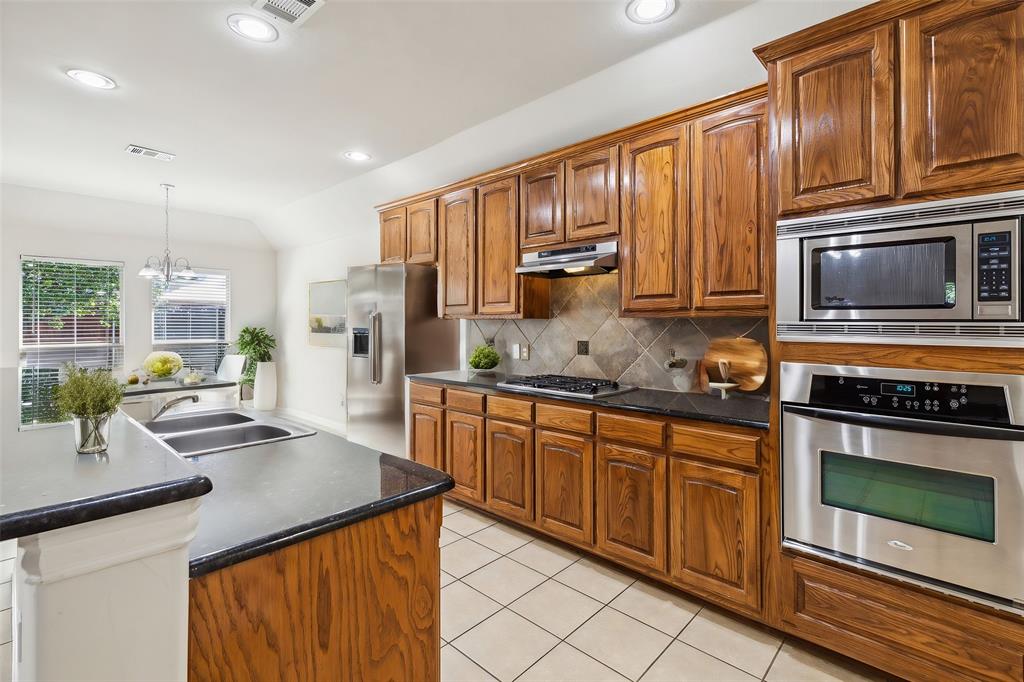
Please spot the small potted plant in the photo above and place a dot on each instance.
(255, 343)
(89, 398)
(484, 359)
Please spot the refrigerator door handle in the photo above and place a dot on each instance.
(375, 342)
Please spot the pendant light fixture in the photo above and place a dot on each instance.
(166, 269)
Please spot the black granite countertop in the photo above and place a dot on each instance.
(168, 385)
(738, 410)
(269, 496)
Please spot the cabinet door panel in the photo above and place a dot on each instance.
(835, 107)
(631, 505)
(457, 271)
(421, 224)
(509, 469)
(541, 206)
(728, 187)
(392, 235)
(592, 194)
(654, 268)
(464, 453)
(498, 284)
(962, 93)
(425, 435)
(713, 530)
(565, 485)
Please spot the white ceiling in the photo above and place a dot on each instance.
(258, 126)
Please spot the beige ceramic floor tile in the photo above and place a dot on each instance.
(448, 537)
(546, 557)
(622, 643)
(449, 507)
(465, 556)
(732, 640)
(682, 663)
(505, 644)
(504, 580)
(462, 607)
(596, 580)
(798, 662)
(467, 522)
(556, 608)
(446, 579)
(566, 664)
(455, 667)
(501, 538)
(658, 607)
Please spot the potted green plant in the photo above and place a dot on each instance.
(89, 398)
(484, 359)
(255, 343)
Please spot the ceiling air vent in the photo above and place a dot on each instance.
(292, 12)
(136, 150)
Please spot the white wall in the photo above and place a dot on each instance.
(341, 223)
(45, 223)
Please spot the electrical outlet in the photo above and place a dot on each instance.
(524, 352)
(582, 348)
(516, 351)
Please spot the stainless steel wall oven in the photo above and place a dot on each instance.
(911, 473)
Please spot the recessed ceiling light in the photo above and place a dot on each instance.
(252, 28)
(91, 78)
(650, 11)
(357, 156)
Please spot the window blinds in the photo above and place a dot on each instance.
(191, 317)
(70, 312)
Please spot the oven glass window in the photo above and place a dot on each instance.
(949, 501)
(909, 274)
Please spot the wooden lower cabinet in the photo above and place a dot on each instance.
(425, 435)
(509, 469)
(464, 454)
(631, 505)
(565, 486)
(713, 531)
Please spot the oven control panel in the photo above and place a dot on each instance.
(995, 266)
(928, 399)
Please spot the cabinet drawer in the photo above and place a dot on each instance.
(565, 418)
(631, 430)
(509, 408)
(467, 401)
(425, 393)
(733, 448)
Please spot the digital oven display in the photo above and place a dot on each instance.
(899, 389)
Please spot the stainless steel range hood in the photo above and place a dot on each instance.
(591, 259)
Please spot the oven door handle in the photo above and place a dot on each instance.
(907, 424)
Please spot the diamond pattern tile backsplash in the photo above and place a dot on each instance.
(630, 350)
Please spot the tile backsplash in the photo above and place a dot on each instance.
(631, 350)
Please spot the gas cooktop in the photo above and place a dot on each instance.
(556, 384)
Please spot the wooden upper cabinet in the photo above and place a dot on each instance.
(835, 107)
(509, 469)
(631, 505)
(421, 232)
(541, 205)
(592, 194)
(392, 235)
(728, 186)
(497, 282)
(654, 273)
(962, 96)
(464, 453)
(456, 221)
(425, 435)
(565, 485)
(713, 531)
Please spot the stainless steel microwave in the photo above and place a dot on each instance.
(936, 272)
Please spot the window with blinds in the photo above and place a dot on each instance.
(191, 317)
(70, 312)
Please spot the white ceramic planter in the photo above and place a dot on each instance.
(264, 392)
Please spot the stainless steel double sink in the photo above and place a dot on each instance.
(200, 433)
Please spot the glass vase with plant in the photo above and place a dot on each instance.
(89, 397)
(255, 343)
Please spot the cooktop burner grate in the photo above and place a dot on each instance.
(556, 384)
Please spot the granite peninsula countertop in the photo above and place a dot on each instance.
(739, 410)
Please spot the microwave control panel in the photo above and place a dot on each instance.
(948, 402)
(995, 266)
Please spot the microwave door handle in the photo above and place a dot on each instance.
(921, 426)
(374, 348)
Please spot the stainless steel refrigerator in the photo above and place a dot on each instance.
(393, 331)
